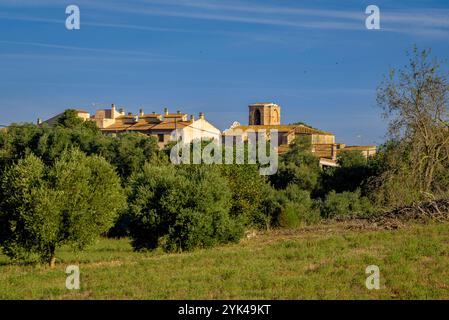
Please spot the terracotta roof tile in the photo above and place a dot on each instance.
(171, 125)
(142, 125)
(175, 115)
(151, 115)
(117, 127)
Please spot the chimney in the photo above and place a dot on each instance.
(192, 117)
(141, 113)
(165, 111)
(39, 121)
(136, 118)
(153, 112)
(122, 111)
(130, 113)
(113, 109)
(178, 112)
(202, 115)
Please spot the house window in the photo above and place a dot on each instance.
(160, 137)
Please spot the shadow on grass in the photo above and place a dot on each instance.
(7, 262)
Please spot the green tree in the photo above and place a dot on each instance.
(131, 151)
(350, 159)
(354, 172)
(415, 101)
(248, 189)
(43, 207)
(18, 141)
(70, 119)
(298, 166)
(181, 208)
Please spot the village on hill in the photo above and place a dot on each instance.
(262, 117)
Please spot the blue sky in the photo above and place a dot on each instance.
(314, 58)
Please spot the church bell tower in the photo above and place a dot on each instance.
(264, 114)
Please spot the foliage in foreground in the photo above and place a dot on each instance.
(71, 202)
(415, 101)
(181, 208)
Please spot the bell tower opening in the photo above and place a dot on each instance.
(257, 117)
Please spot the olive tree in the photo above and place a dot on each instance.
(415, 102)
(181, 208)
(69, 203)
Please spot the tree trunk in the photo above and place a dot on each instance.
(52, 260)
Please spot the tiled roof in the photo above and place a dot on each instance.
(143, 125)
(283, 128)
(305, 129)
(152, 115)
(117, 127)
(175, 115)
(124, 117)
(171, 125)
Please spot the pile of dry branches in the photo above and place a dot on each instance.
(434, 210)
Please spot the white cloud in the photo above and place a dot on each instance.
(422, 23)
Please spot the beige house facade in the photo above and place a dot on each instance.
(165, 127)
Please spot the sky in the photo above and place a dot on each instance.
(316, 59)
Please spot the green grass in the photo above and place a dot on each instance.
(324, 262)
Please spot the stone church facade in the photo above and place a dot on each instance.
(266, 116)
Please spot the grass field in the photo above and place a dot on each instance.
(322, 262)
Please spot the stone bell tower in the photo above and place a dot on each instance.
(264, 114)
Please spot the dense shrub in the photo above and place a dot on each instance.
(300, 209)
(248, 191)
(346, 205)
(292, 207)
(181, 208)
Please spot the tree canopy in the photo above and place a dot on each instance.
(71, 202)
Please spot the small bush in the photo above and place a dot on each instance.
(346, 205)
(292, 207)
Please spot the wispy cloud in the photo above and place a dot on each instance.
(52, 57)
(76, 48)
(433, 22)
(259, 8)
(424, 23)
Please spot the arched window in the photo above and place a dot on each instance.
(257, 117)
